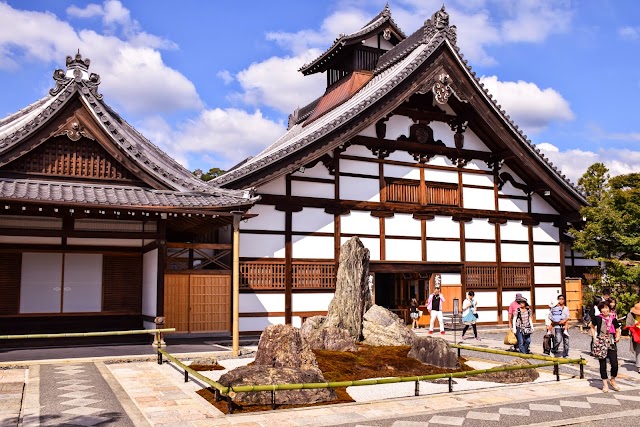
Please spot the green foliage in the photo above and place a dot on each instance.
(208, 176)
(611, 232)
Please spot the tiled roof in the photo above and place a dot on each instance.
(339, 93)
(29, 190)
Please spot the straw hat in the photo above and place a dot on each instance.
(636, 309)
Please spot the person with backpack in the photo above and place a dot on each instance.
(559, 317)
(605, 330)
(633, 326)
(523, 325)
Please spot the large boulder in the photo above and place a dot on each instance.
(435, 352)
(331, 338)
(509, 377)
(381, 327)
(282, 346)
(260, 375)
(353, 295)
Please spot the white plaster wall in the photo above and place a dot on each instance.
(395, 171)
(443, 226)
(539, 205)
(369, 131)
(546, 232)
(261, 303)
(508, 297)
(261, 245)
(479, 229)
(312, 189)
(585, 262)
(359, 222)
(488, 316)
(360, 150)
(442, 131)
(359, 189)
(545, 295)
(547, 275)
(260, 323)
(398, 125)
(436, 175)
(451, 279)
(311, 301)
(514, 230)
(355, 166)
(486, 299)
(440, 161)
(126, 243)
(312, 219)
(318, 171)
(31, 240)
(402, 225)
(150, 283)
(372, 244)
(443, 251)
(478, 179)
(512, 205)
(480, 252)
(313, 247)
(508, 188)
(268, 219)
(475, 198)
(546, 253)
(401, 156)
(513, 252)
(403, 250)
(477, 165)
(275, 186)
(473, 142)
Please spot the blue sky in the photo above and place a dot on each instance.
(213, 82)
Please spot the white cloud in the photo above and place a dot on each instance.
(225, 76)
(530, 107)
(573, 163)
(534, 20)
(89, 11)
(629, 33)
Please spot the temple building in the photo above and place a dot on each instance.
(95, 220)
(408, 151)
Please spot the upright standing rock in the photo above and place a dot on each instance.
(353, 296)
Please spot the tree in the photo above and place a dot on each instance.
(611, 231)
(213, 173)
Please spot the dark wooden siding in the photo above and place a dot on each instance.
(122, 283)
(10, 268)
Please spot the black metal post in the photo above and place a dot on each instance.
(556, 371)
(459, 349)
(159, 358)
(229, 405)
(417, 391)
(581, 370)
(450, 385)
(216, 393)
(273, 399)
(186, 376)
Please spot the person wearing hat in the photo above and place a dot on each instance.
(523, 325)
(633, 325)
(512, 309)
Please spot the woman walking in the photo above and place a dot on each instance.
(605, 331)
(633, 325)
(414, 313)
(470, 315)
(523, 326)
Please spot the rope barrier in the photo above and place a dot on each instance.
(85, 334)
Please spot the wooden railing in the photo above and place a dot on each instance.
(403, 191)
(516, 277)
(481, 277)
(270, 275)
(409, 191)
(442, 194)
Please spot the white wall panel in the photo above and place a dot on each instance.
(512, 205)
(436, 175)
(261, 303)
(473, 142)
(360, 150)
(451, 279)
(547, 275)
(546, 253)
(480, 252)
(545, 295)
(514, 230)
(442, 131)
(546, 232)
(82, 283)
(275, 186)
(40, 283)
(395, 171)
(359, 189)
(475, 198)
(312, 189)
(359, 222)
(539, 205)
(259, 323)
(311, 301)
(488, 316)
(443, 226)
(261, 245)
(443, 251)
(268, 219)
(318, 171)
(477, 165)
(372, 244)
(355, 166)
(478, 179)
(585, 262)
(508, 188)
(403, 250)
(402, 225)
(150, 283)
(479, 229)
(485, 299)
(508, 297)
(441, 161)
(513, 252)
(313, 247)
(369, 131)
(398, 125)
(312, 219)
(401, 156)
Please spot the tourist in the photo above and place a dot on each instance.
(559, 317)
(470, 315)
(434, 305)
(607, 325)
(593, 312)
(611, 302)
(633, 325)
(523, 326)
(512, 309)
(414, 313)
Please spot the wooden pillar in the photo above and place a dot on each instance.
(288, 255)
(237, 216)
(162, 253)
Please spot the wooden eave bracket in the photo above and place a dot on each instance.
(382, 214)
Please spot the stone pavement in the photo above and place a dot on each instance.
(11, 384)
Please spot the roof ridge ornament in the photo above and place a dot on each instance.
(78, 71)
(439, 23)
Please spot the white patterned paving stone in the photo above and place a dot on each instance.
(76, 387)
(82, 410)
(543, 407)
(77, 394)
(627, 397)
(401, 423)
(575, 404)
(80, 402)
(87, 420)
(514, 411)
(74, 381)
(603, 400)
(449, 421)
(487, 416)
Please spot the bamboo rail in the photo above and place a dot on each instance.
(86, 334)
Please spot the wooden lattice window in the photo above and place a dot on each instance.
(269, 275)
(481, 277)
(442, 194)
(122, 283)
(318, 275)
(516, 277)
(262, 275)
(10, 269)
(403, 190)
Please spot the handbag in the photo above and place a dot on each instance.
(475, 314)
(601, 345)
(510, 338)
